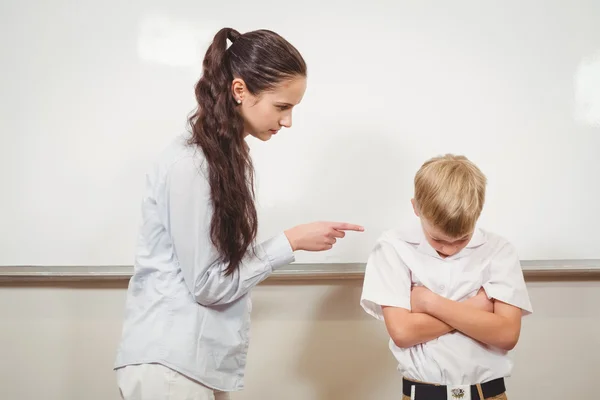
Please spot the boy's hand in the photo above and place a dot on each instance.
(481, 301)
(421, 299)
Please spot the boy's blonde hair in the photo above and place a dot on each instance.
(450, 193)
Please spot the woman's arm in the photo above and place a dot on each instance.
(188, 214)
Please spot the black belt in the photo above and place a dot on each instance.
(430, 391)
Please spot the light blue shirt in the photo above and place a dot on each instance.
(181, 311)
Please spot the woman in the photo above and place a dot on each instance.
(185, 334)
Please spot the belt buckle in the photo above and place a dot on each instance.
(459, 392)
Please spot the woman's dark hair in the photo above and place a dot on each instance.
(263, 60)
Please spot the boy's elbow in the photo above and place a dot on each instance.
(402, 344)
(402, 339)
(400, 327)
(509, 344)
(509, 340)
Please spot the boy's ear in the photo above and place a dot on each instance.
(414, 205)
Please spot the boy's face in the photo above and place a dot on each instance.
(444, 245)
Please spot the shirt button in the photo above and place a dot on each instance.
(442, 287)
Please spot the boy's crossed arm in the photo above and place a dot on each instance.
(408, 328)
(500, 328)
(388, 282)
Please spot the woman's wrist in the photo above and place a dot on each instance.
(291, 237)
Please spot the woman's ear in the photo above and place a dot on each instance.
(238, 90)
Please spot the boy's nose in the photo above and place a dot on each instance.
(449, 250)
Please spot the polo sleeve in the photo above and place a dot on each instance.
(505, 281)
(387, 281)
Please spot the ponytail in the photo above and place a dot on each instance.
(262, 59)
(217, 128)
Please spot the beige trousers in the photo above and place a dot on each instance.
(157, 382)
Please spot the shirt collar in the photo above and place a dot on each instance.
(415, 235)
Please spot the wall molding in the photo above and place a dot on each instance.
(532, 269)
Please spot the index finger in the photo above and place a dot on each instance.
(344, 226)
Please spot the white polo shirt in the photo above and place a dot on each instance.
(403, 258)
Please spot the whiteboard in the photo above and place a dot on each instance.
(92, 91)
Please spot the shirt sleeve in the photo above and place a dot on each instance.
(189, 211)
(387, 281)
(505, 281)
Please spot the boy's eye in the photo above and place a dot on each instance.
(283, 108)
(461, 241)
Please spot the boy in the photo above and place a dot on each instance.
(451, 295)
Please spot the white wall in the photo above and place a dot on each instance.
(309, 341)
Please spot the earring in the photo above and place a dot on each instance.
(239, 101)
